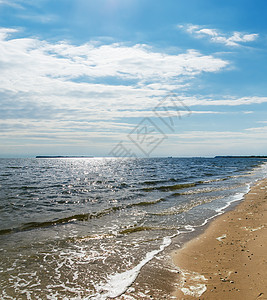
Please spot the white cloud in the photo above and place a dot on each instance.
(222, 137)
(229, 39)
(79, 93)
(258, 129)
(211, 142)
(207, 31)
(5, 32)
(91, 78)
(223, 101)
(248, 112)
(60, 92)
(17, 3)
(12, 3)
(5, 2)
(139, 62)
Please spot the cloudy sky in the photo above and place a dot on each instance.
(109, 77)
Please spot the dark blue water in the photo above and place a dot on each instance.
(74, 228)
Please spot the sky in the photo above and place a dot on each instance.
(133, 77)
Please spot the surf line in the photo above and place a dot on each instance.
(118, 284)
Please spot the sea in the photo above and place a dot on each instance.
(103, 228)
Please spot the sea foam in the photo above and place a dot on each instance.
(117, 284)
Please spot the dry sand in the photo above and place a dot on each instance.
(229, 260)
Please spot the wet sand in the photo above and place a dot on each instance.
(229, 260)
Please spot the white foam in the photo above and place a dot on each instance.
(196, 286)
(194, 290)
(234, 198)
(253, 229)
(220, 238)
(189, 228)
(117, 284)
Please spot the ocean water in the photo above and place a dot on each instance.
(85, 228)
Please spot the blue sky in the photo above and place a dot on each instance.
(79, 77)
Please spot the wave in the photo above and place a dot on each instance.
(14, 167)
(74, 218)
(153, 182)
(167, 188)
(146, 203)
(144, 228)
(209, 190)
(186, 207)
(77, 217)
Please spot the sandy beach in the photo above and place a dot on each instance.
(229, 260)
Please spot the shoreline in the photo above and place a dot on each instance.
(228, 260)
